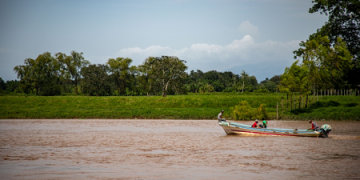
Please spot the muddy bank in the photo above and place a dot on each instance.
(171, 149)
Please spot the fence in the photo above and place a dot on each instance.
(295, 104)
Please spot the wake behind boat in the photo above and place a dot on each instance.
(247, 130)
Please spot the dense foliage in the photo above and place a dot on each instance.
(343, 26)
(330, 57)
(61, 74)
(213, 81)
(243, 111)
(49, 75)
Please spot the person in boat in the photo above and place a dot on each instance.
(314, 126)
(256, 124)
(220, 119)
(264, 123)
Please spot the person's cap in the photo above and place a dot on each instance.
(256, 120)
(222, 110)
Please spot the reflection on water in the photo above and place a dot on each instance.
(172, 149)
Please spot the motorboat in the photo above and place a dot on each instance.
(246, 130)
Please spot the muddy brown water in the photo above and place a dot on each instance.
(172, 149)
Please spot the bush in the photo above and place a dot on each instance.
(244, 111)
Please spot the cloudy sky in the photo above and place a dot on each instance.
(257, 36)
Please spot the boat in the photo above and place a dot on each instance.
(232, 128)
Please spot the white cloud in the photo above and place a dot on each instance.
(247, 28)
(217, 57)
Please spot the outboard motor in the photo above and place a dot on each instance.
(325, 130)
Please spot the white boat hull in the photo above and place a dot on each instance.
(246, 130)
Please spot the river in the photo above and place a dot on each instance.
(172, 149)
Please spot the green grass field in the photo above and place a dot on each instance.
(192, 106)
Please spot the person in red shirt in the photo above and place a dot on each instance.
(255, 125)
(314, 126)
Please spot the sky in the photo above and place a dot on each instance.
(257, 36)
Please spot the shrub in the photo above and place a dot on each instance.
(244, 111)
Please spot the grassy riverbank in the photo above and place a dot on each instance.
(192, 106)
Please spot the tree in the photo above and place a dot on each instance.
(245, 82)
(206, 88)
(271, 86)
(2, 84)
(243, 76)
(275, 79)
(327, 65)
(40, 74)
(218, 86)
(296, 79)
(287, 85)
(96, 80)
(25, 74)
(163, 70)
(46, 71)
(120, 69)
(343, 22)
(12, 86)
(65, 70)
(75, 62)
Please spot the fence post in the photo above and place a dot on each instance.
(277, 110)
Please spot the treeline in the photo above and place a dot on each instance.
(60, 74)
(49, 75)
(9, 86)
(213, 81)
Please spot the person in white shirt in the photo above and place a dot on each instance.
(220, 116)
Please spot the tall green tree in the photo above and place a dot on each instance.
(343, 22)
(120, 69)
(287, 86)
(245, 82)
(327, 64)
(26, 75)
(96, 80)
(40, 74)
(64, 71)
(164, 70)
(75, 62)
(296, 79)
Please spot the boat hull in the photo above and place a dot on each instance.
(246, 130)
